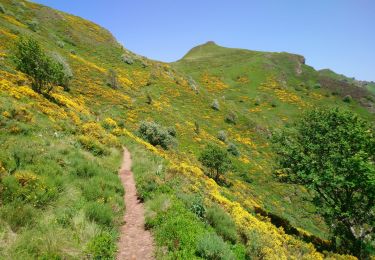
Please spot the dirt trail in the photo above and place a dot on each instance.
(135, 242)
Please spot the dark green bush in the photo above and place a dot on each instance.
(172, 131)
(100, 213)
(112, 79)
(101, 247)
(156, 134)
(347, 99)
(233, 150)
(215, 105)
(231, 118)
(211, 246)
(222, 136)
(222, 223)
(317, 86)
(197, 128)
(33, 61)
(216, 160)
(2, 9)
(33, 25)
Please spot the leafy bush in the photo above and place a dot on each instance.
(2, 9)
(18, 215)
(109, 123)
(92, 145)
(233, 150)
(32, 60)
(216, 160)
(84, 168)
(176, 227)
(215, 105)
(197, 128)
(66, 73)
(112, 79)
(331, 153)
(317, 86)
(127, 59)
(149, 98)
(231, 118)
(172, 131)
(222, 136)
(101, 247)
(156, 134)
(347, 99)
(25, 186)
(33, 25)
(100, 213)
(212, 247)
(222, 223)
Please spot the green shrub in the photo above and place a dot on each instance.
(212, 247)
(222, 223)
(149, 99)
(197, 128)
(112, 79)
(66, 73)
(195, 204)
(257, 102)
(25, 186)
(317, 86)
(2, 9)
(101, 188)
(33, 25)
(100, 213)
(92, 145)
(233, 150)
(231, 118)
(18, 215)
(222, 136)
(83, 167)
(32, 60)
(101, 247)
(172, 131)
(60, 44)
(347, 99)
(156, 134)
(215, 105)
(216, 160)
(127, 59)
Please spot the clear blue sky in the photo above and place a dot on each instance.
(336, 34)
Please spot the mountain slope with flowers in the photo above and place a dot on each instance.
(60, 193)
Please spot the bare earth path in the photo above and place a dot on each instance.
(135, 242)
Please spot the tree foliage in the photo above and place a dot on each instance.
(331, 153)
(44, 71)
(216, 160)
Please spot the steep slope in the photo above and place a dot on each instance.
(69, 147)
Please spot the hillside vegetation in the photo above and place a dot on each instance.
(60, 196)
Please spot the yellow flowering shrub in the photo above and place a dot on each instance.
(109, 123)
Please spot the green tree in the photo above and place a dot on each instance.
(331, 152)
(216, 160)
(43, 70)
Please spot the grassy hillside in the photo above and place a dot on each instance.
(59, 159)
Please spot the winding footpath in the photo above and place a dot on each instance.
(135, 242)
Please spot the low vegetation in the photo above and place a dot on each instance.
(214, 195)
